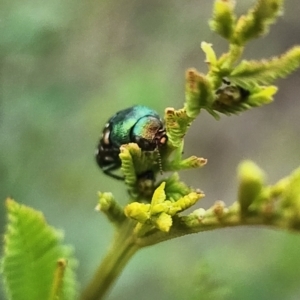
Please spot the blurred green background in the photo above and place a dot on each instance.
(67, 66)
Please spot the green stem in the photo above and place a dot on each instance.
(230, 217)
(123, 248)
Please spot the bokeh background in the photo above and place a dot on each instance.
(67, 66)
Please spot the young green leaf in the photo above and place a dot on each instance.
(211, 57)
(32, 256)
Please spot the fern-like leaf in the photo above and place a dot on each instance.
(175, 188)
(32, 258)
(267, 71)
(223, 20)
(198, 93)
(177, 124)
(127, 163)
(257, 21)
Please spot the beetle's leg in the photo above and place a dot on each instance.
(108, 171)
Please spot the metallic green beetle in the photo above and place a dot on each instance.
(137, 124)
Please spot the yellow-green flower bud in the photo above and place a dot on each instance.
(280, 187)
(159, 195)
(291, 195)
(164, 222)
(138, 211)
(106, 200)
(169, 207)
(188, 200)
(251, 179)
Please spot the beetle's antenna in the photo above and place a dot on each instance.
(159, 161)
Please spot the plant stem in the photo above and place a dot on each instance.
(58, 279)
(123, 248)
